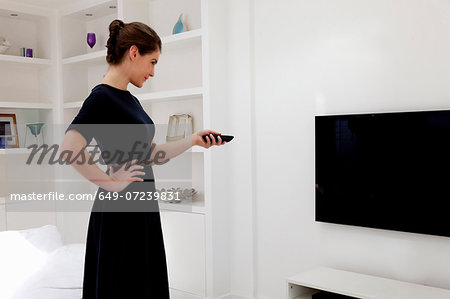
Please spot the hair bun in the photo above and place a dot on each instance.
(115, 27)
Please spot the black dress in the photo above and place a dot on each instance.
(125, 254)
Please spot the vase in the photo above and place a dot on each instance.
(91, 39)
(4, 45)
(178, 28)
(35, 129)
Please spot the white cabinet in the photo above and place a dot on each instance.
(184, 237)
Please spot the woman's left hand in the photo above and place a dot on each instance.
(198, 140)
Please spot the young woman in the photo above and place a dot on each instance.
(125, 255)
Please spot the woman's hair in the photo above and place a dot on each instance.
(123, 35)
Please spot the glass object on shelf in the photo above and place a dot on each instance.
(4, 45)
(91, 39)
(29, 52)
(178, 28)
(176, 195)
(35, 129)
(180, 126)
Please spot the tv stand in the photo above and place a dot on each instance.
(304, 285)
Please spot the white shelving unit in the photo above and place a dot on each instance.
(27, 87)
(52, 86)
(304, 285)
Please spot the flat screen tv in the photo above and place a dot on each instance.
(384, 170)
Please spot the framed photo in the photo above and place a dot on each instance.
(8, 131)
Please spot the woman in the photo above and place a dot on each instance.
(125, 255)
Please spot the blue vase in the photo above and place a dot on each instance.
(178, 28)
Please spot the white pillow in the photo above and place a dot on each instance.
(22, 253)
(63, 269)
(45, 238)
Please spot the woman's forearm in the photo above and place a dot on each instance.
(90, 170)
(167, 151)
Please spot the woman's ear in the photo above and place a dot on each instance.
(133, 51)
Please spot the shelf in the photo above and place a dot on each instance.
(26, 11)
(174, 180)
(171, 95)
(175, 40)
(71, 105)
(153, 97)
(26, 105)
(15, 151)
(99, 9)
(358, 285)
(87, 59)
(32, 61)
(196, 207)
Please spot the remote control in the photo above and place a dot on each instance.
(226, 138)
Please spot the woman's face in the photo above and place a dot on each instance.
(144, 67)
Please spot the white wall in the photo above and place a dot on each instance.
(317, 57)
(240, 150)
(220, 182)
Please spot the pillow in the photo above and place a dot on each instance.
(45, 238)
(63, 269)
(22, 253)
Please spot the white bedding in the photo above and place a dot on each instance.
(52, 293)
(35, 265)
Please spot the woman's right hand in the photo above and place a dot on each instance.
(121, 178)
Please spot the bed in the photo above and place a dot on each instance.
(35, 264)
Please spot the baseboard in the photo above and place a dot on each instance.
(231, 296)
(176, 294)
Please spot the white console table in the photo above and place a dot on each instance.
(304, 285)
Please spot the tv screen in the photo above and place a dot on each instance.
(384, 170)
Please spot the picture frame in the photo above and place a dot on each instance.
(8, 131)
